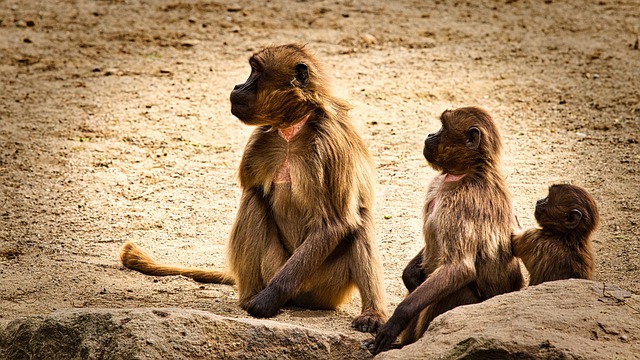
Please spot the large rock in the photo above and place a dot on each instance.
(570, 319)
(165, 334)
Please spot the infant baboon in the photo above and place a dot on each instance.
(561, 247)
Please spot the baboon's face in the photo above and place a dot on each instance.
(243, 96)
(465, 137)
(274, 93)
(567, 208)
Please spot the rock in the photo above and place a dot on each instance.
(368, 39)
(189, 42)
(111, 71)
(569, 319)
(165, 334)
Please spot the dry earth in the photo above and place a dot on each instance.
(115, 125)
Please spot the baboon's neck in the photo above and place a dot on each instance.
(290, 132)
(453, 178)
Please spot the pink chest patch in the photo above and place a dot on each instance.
(283, 174)
(432, 205)
(288, 133)
(447, 179)
(452, 178)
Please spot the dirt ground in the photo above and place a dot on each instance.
(115, 125)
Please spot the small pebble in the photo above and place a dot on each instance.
(369, 39)
(189, 43)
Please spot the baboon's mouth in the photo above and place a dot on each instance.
(239, 110)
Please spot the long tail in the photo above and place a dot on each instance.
(135, 258)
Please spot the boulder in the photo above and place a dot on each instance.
(166, 334)
(569, 319)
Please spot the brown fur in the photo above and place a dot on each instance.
(135, 258)
(307, 240)
(468, 218)
(561, 248)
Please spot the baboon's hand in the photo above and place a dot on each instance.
(386, 336)
(369, 321)
(265, 304)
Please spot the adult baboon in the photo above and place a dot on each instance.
(304, 230)
(561, 248)
(468, 219)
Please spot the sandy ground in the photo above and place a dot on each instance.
(115, 125)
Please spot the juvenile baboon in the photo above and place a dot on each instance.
(561, 247)
(468, 218)
(303, 234)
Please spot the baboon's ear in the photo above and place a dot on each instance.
(302, 75)
(573, 218)
(473, 138)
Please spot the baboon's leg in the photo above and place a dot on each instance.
(252, 245)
